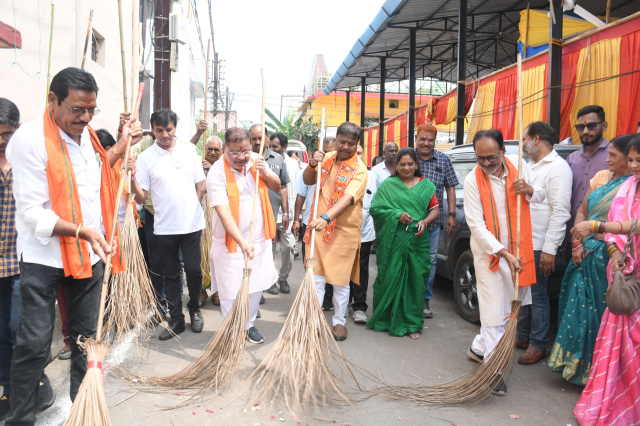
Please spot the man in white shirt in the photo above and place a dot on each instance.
(60, 240)
(548, 225)
(383, 170)
(231, 185)
(490, 193)
(173, 173)
(278, 143)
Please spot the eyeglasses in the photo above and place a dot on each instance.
(6, 136)
(591, 126)
(491, 159)
(238, 153)
(81, 111)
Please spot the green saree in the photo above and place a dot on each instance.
(402, 258)
(582, 297)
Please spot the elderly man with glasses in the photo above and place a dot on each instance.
(588, 160)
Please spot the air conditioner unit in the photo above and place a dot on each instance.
(173, 61)
(177, 28)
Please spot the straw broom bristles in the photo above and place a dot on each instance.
(205, 240)
(479, 383)
(133, 303)
(90, 405)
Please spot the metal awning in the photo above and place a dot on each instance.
(491, 44)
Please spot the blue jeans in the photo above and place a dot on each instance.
(156, 271)
(533, 321)
(434, 239)
(10, 313)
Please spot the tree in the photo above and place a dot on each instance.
(285, 126)
(307, 132)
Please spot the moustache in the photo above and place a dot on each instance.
(81, 123)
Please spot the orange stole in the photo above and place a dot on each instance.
(528, 274)
(65, 201)
(234, 205)
(117, 173)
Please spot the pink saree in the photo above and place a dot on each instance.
(612, 394)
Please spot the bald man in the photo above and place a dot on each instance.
(383, 170)
(212, 152)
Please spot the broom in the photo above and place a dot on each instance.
(305, 367)
(207, 233)
(476, 385)
(90, 405)
(213, 371)
(132, 304)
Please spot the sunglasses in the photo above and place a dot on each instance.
(591, 126)
(491, 159)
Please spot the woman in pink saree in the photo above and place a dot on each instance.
(612, 394)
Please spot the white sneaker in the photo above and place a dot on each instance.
(360, 316)
(347, 311)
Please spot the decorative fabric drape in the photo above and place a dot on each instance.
(597, 61)
(442, 110)
(629, 85)
(532, 97)
(390, 127)
(482, 115)
(538, 29)
(504, 105)
(402, 122)
(569, 68)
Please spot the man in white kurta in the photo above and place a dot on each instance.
(495, 288)
(226, 267)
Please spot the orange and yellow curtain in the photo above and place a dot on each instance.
(484, 102)
(537, 27)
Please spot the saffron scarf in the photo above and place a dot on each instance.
(65, 201)
(234, 205)
(528, 274)
(117, 173)
(347, 169)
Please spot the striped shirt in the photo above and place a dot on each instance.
(8, 235)
(439, 170)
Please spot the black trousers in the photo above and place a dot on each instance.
(170, 246)
(38, 291)
(358, 294)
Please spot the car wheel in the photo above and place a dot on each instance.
(464, 288)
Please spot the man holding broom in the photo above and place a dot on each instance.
(490, 194)
(64, 195)
(339, 219)
(231, 188)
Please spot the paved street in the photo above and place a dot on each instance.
(535, 394)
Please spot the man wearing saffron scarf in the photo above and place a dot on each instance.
(339, 219)
(490, 198)
(64, 196)
(231, 186)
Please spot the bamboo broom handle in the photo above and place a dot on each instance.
(526, 33)
(86, 40)
(519, 199)
(124, 65)
(206, 96)
(317, 194)
(112, 234)
(256, 194)
(49, 61)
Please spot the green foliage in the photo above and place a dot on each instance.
(307, 132)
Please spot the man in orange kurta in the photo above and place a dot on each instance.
(338, 220)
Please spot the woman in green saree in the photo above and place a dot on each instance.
(402, 209)
(582, 295)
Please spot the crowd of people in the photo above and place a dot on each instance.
(58, 185)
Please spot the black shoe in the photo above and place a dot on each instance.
(262, 300)
(254, 336)
(327, 303)
(273, 290)
(284, 287)
(474, 356)
(259, 315)
(46, 395)
(499, 389)
(4, 406)
(426, 312)
(65, 355)
(197, 323)
(175, 328)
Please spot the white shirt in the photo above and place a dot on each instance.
(293, 170)
(172, 177)
(549, 218)
(379, 172)
(368, 231)
(35, 220)
(474, 213)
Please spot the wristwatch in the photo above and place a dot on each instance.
(452, 214)
(327, 218)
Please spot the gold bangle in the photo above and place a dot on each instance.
(115, 151)
(78, 231)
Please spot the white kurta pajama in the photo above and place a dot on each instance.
(495, 289)
(226, 268)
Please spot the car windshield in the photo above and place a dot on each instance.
(462, 170)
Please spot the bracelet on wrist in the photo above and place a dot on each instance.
(313, 167)
(78, 231)
(115, 151)
(576, 247)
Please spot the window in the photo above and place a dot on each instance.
(97, 47)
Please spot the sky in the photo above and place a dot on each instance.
(281, 36)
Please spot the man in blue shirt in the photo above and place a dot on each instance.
(436, 167)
